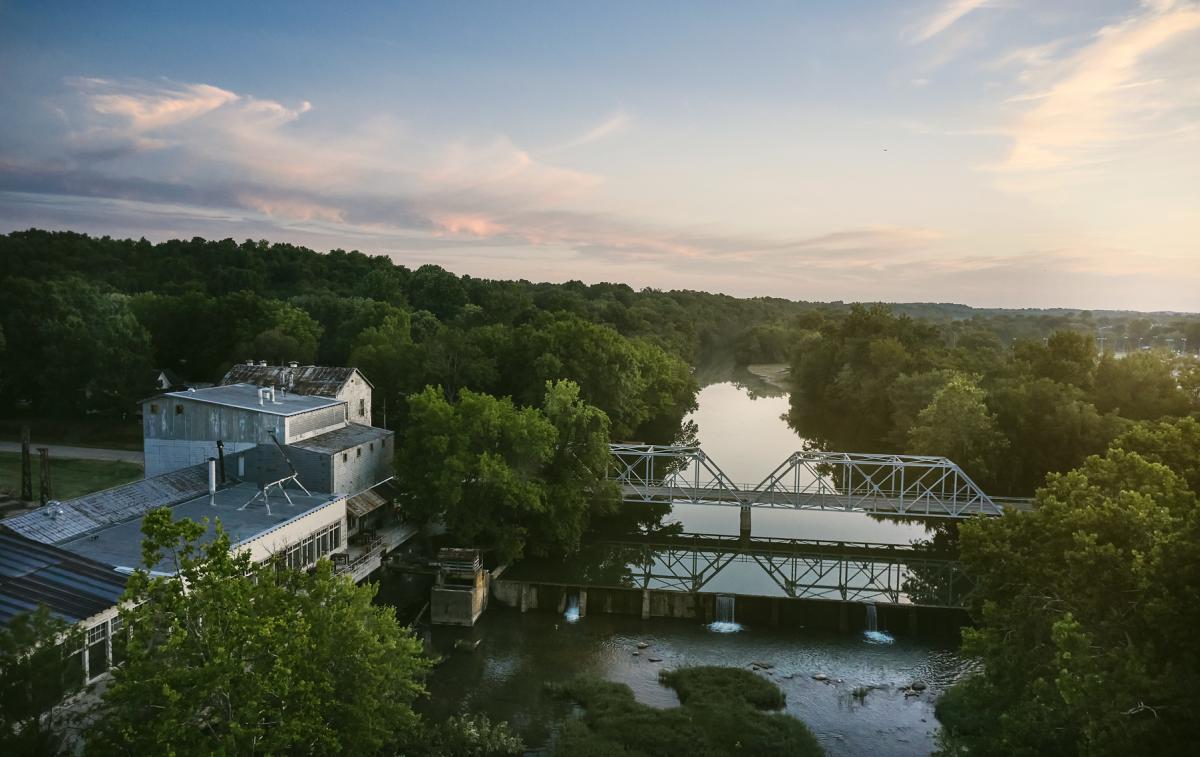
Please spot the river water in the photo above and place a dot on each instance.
(741, 428)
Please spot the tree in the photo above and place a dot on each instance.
(958, 425)
(476, 464)
(36, 671)
(1086, 608)
(227, 656)
(516, 479)
(73, 347)
(384, 353)
(576, 475)
(1140, 386)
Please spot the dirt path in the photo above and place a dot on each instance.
(80, 453)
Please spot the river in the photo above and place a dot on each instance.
(742, 427)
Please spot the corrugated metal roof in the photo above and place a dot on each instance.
(319, 380)
(245, 397)
(372, 499)
(349, 436)
(73, 587)
(55, 524)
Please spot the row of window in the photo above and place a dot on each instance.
(313, 547)
(358, 450)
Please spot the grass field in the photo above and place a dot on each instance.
(68, 478)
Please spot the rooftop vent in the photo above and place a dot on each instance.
(293, 364)
(262, 363)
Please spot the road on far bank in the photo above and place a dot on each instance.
(65, 452)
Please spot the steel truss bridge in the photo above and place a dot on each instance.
(901, 485)
(802, 569)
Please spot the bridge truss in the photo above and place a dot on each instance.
(905, 485)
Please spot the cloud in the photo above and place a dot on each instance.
(1120, 87)
(614, 124)
(945, 17)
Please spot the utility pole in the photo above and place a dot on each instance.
(26, 468)
(45, 489)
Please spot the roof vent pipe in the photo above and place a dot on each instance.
(212, 481)
(273, 400)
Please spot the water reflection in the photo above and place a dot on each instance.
(761, 566)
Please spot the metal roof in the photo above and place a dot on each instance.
(57, 523)
(245, 397)
(121, 544)
(349, 436)
(33, 574)
(319, 380)
(372, 499)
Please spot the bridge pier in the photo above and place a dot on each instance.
(744, 523)
(582, 604)
(645, 604)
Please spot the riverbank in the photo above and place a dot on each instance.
(778, 375)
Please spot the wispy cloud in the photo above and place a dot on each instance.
(1117, 88)
(948, 14)
(614, 124)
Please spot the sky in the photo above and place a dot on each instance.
(999, 153)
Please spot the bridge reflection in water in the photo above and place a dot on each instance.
(762, 566)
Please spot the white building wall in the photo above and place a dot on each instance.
(166, 455)
(266, 544)
(357, 395)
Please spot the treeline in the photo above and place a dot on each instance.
(1008, 413)
(85, 322)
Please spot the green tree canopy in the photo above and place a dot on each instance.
(229, 657)
(1086, 608)
(958, 425)
(36, 671)
(512, 478)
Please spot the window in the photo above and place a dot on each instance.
(372, 446)
(154, 408)
(358, 452)
(362, 407)
(345, 456)
(179, 409)
(383, 443)
(97, 650)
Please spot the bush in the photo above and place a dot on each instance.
(721, 714)
(711, 683)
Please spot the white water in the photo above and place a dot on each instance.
(873, 634)
(725, 621)
(571, 614)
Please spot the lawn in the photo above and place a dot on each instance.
(68, 478)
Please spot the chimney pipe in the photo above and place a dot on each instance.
(273, 400)
(221, 460)
(212, 481)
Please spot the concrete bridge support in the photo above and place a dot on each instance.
(582, 604)
(744, 524)
(645, 604)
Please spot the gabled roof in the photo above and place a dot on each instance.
(318, 380)
(73, 587)
(59, 522)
